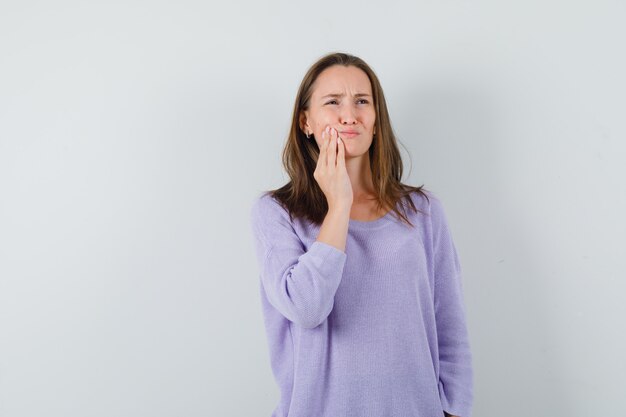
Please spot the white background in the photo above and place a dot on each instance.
(134, 136)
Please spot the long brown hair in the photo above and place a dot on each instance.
(302, 196)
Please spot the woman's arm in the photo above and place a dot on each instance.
(299, 283)
(455, 359)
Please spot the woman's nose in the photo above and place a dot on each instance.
(347, 116)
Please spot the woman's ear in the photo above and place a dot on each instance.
(304, 123)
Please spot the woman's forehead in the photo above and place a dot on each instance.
(340, 80)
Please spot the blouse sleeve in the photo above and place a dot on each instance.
(455, 359)
(299, 283)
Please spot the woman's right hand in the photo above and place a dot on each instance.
(330, 172)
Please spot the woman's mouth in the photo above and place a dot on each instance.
(348, 133)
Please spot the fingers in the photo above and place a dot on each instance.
(321, 160)
(341, 154)
(332, 148)
(331, 152)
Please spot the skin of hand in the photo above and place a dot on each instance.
(335, 183)
(330, 172)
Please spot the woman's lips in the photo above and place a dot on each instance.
(348, 134)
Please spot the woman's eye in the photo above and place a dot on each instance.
(363, 101)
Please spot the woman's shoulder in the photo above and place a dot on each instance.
(424, 199)
(265, 207)
(430, 205)
(263, 201)
(434, 207)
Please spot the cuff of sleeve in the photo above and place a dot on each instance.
(326, 251)
(457, 408)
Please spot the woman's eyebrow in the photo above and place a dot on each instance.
(342, 94)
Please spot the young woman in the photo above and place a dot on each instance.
(360, 280)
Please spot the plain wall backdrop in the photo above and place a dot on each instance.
(135, 135)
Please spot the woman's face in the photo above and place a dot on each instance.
(342, 99)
